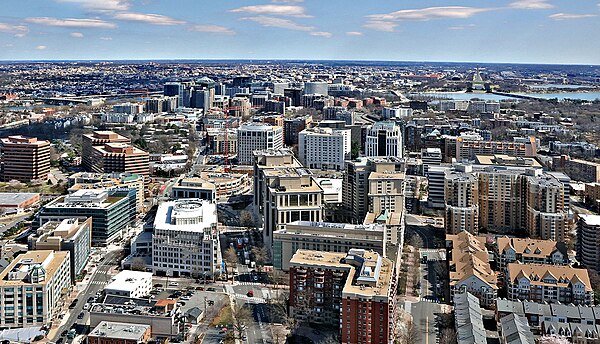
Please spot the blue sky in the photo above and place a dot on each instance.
(525, 31)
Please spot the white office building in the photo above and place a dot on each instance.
(396, 112)
(384, 139)
(324, 148)
(186, 240)
(131, 284)
(257, 136)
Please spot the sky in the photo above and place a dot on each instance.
(511, 31)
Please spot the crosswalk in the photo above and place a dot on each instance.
(249, 283)
(98, 282)
(249, 299)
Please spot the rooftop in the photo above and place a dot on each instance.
(33, 267)
(115, 330)
(16, 198)
(186, 215)
(128, 280)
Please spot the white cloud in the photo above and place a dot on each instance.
(531, 4)
(17, 30)
(354, 33)
(41, 47)
(568, 16)
(321, 34)
(279, 22)
(72, 22)
(149, 18)
(106, 38)
(448, 12)
(278, 10)
(76, 34)
(212, 29)
(101, 5)
(287, 1)
(462, 27)
(385, 26)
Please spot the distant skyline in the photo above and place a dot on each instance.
(512, 31)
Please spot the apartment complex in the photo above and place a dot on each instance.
(257, 136)
(109, 152)
(469, 267)
(111, 212)
(467, 149)
(72, 235)
(548, 283)
(293, 126)
(324, 148)
(325, 236)
(384, 139)
(185, 240)
(461, 192)
(579, 170)
(33, 288)
(529, 251)
(344, 290)
(588, 241)
(24, 159)
(109, 181)
(506, 200)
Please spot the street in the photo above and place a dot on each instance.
(96, 282)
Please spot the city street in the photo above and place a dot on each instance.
(91, 285)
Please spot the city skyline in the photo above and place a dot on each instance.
(511, 31)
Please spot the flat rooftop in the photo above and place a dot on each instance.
(128, 280)
(115, 330)
(192, 215)
(14, 198)
(49, 260)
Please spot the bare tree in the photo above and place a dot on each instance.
(410, 334)
(277, 277)
(138, 264)
(246, 219)
(241, 316)
(261, 256)
(448, 336)
(230, 257)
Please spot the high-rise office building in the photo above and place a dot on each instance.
(111, 212)
(24, 159)
(257, 136)
(185, 241)
(324, 148)
(384, 139)
(588, 241)
(317, 87)
(292, 127)
(108, 152)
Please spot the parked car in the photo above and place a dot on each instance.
(211, 289)
(250, 293)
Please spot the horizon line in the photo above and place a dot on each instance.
(290, 60)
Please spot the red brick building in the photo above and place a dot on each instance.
(353, 291)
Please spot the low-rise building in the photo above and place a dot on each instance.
(212, 186)
(548, 283)
(108, 332)
(130, 284)
(17, 202)
(468, 319)
(72, 235)
(33, 288)
(470, 269)
(529, 251)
